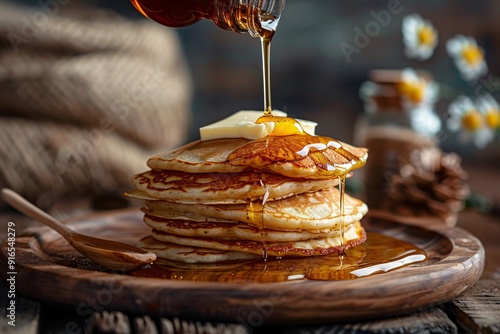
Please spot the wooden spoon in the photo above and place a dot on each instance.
(107, 253)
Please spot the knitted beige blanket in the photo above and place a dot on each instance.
(85, 101)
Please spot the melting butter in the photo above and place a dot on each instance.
(243, 124)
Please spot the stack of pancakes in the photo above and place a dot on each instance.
(206, 202)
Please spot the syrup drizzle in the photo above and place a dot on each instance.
(266, 72)
(256, 214)
(288, 142)
(342, 217)
(262, 228)
(266, 32)
(285, 126)
(257, 211)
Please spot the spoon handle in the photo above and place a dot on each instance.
(20, 203)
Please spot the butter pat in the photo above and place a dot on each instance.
(242, 125)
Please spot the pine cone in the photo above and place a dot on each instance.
(432, 183)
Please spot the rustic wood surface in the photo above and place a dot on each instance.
(479, 309)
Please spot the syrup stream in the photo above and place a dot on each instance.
(266, 72)
(266, 76)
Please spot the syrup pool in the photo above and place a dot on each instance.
(378, 255)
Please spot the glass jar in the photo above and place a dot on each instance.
(392, 127)
(257, 17)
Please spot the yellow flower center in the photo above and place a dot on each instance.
(472, 55)
(472, 120)
(426, 36)
(414, 91)
(493, 119)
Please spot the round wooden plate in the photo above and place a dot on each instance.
(49, 270)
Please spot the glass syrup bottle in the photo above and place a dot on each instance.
(257, 17)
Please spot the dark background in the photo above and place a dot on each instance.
(311, 77)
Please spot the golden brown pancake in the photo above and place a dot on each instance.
(188, 254)
(282, 155)
(232, 230)
(317, 210)
(182, 187)
(353, 235)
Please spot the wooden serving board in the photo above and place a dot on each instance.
(49, 270)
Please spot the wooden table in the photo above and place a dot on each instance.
(476, 311)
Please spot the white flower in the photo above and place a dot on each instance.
(466, 117)
(419, 36)
(425, 121)
(490, 110)
(468, 56)
(416, 89)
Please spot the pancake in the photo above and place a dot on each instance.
(231, 230)
(319, 210)
(281, 155)
(189, 254)
(178, 215)
(353, 235)
(200, 157)
(218, 188)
